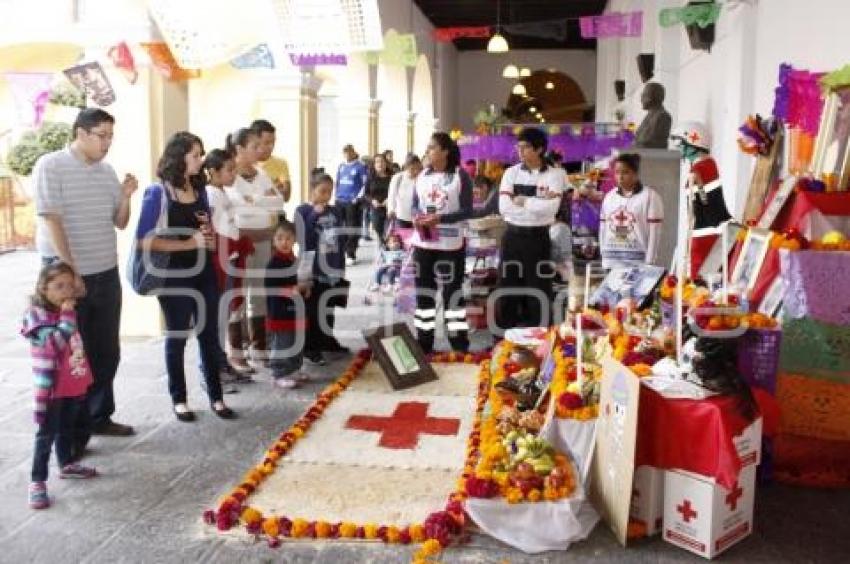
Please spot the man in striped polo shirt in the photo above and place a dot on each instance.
(80, 202)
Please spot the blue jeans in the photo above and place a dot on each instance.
(181, 313)
(58, 429)
(286, 358)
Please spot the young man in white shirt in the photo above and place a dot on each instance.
(631, 217)
(529, 198)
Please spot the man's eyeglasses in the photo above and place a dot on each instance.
(101, 135)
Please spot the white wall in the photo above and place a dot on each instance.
(736, 78)
(480, 81)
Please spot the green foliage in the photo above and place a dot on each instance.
(51, 136)
(54, 135)
(66, 94)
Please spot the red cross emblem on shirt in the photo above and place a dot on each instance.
(733, 496)
(687, 511)
(693, 136)
(402, 429)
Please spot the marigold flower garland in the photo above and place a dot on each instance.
(439, 528)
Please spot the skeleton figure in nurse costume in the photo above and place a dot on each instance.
(709, 206)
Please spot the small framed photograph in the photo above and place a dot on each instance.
(400, 356)
(751, 258)
(772, 300)
(710, 238)
(778, 202)
(634, 282)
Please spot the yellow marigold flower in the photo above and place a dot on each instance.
(267, 469)
(501, 478)
(484, 474)
(393, 534)
(534, 495)
(299, 528)
(513, 495)
(273, 455)
(550, 494)
(271, 527)
(251, 515)
(347, 530)
(430, 547)
(370, 531)
(417, 533)
(298, 432)
(323, 529)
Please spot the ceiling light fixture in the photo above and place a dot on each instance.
(518, 89)
(510, 71)
(532, 109)
(524, 72)
(497, 43)
(550, 85)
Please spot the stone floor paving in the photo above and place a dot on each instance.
(146, 506)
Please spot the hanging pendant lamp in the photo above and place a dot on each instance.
(510, 71)
(518, 89)
(498, 43)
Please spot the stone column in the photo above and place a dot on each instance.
(374, 111)
(289, 101)
(411, 131)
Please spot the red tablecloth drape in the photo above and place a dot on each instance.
(696, 435)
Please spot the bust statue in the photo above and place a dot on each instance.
(654, 130)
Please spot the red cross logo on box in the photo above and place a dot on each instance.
(401, 430)
(687, 511)
(733, 496)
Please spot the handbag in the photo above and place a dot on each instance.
(144, 280)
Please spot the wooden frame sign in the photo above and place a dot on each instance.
(400, 356)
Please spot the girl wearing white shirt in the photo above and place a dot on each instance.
(256, 205)
(402, 187)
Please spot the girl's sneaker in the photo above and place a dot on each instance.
(76, 471)
(302, 376)
(38, 496)
(285, 383)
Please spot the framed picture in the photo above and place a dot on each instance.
(713, 261)
(399, 356)
(634, 282)
(749, 262)
(778, 202)
(772, 300)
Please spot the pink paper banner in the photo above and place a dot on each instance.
(613, 24)
(317, 59)
(30, 90)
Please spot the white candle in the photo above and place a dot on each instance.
(724, 264)
(587, 285)
(579, 347)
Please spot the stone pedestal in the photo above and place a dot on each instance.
(660, 169)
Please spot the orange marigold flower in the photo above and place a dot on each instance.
(550, 494)
(347, 530)
(271, 526)
(430, 547)
(323, 529)
(513, 495)
(297, 431)
(534, 495)
(417, 533)
(299, 528)
(393, 534)
(370, 531)
(250, 515)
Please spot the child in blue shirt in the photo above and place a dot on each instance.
(321, 225)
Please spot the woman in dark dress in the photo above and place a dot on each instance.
(377, 190)
(175, 219)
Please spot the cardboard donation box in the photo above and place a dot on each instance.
(748, 444)
(647, 505)
(705, 518)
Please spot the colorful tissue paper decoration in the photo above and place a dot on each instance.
(166, 65)
(574, 144)
(31, 91)
(702, 15)
(122, 58)
(612, 24)
(399, 50)
(756, 135)
(260, 57)
(90, 79)
(447, 34)
(799, 99)
(318, 59)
